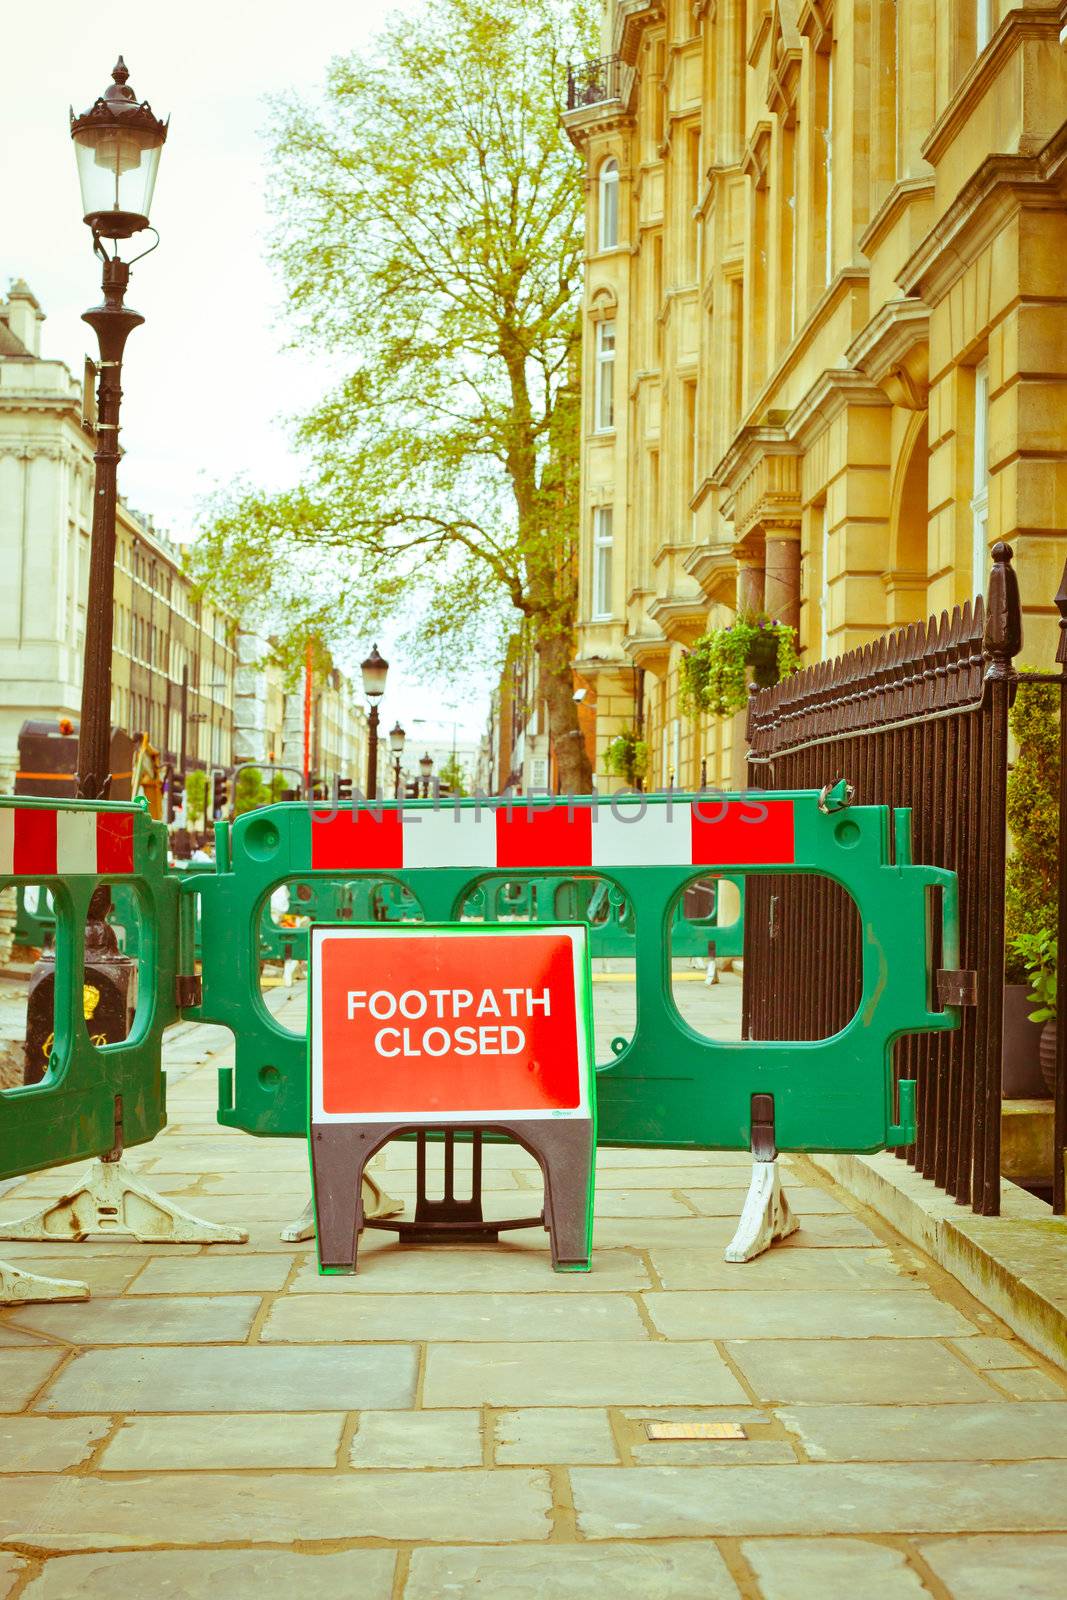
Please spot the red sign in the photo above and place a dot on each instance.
(446, 1024)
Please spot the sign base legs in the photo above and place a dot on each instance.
(111, 1202)
(765, 1217)
(18, 1288)
(376, 1203)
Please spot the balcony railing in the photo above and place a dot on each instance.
(591, 83)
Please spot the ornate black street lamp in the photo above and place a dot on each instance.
(396, 745)
(375, 671)
(117, 143)
(426, 768)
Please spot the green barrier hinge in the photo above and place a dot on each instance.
(903, 1132)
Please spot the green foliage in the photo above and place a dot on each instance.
(196, 798)
(1038, 953)
(627, 757)
(713, 671)
(454, 776)
(1033, 820)
(429, 233)
(251, 791)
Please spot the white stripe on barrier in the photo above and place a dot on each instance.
(76, 841)
(450, 837)
(7, 842)
(640, 835)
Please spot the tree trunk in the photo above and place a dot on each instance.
(557, 686)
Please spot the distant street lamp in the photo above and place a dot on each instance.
(396, 745)
(375, 671)
(426, 768)
(117, 143)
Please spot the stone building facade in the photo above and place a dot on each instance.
(825, 307)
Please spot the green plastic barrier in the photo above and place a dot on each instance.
(90, 1092)
(668, 1085)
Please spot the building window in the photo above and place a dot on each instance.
(609, 204)
(823, 543)
(983, 24)
(605, 377)
(980, 499)
(603, 541)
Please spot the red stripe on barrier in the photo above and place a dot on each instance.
(551, 836)
(114, 842)
(738, 833)
(35, 843)
(355, 839)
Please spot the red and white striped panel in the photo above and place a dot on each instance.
(711, 832)
(41, 843)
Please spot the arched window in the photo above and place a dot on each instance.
(609, 204)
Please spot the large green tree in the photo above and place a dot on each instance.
(429, 234)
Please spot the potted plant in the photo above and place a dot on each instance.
(627, 757)
(1031, 889)
(717, 670)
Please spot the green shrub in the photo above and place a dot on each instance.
(1033, 819)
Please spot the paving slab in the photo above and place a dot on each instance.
(392, 1268)
(995, 1566)
(1031, 1385)
(584, 1374)
(95, 1513)
(817, 1499)
(12, 1568)
(780, 1269)
(992, 1431)
(103, 1274)
(224, 1442)
(798, 1569)
(803, 1314)
(667, 1571)
(713, 1452)
(992, 1354)
(22, 1372)
(804, 1199)
(48, 1444)
(713, 1234)
(217, 1575)
(241, 1378)
(418, 1439)
(878, 1371)
(565, 1317)
(554, 1436)
(211, 1274)
(215, 1319)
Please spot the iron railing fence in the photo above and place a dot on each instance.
(589, 83)
(917, 719)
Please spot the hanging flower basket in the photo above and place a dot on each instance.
(714, 672)
(627, 757)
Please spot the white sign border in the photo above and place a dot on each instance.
(578, 936)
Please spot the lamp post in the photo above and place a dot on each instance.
(426, 768)
(396, 745)
(117, 143)
(375, 670)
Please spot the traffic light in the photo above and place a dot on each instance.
(175, 792)
(220, 794)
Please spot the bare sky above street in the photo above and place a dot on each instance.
(206, 383)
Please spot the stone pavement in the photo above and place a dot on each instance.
(221, 1423)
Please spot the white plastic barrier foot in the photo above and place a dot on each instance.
(111, 1202)
(765, 1217)
(18, 1288)
(711, 975)
(376, 1203)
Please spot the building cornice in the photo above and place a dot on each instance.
(683, 618)
(1018, 26)
(714, 566)
(1002, 185)
(833, 391)
(908, 192)
(632, 17)
(651, 651)
(893, 352)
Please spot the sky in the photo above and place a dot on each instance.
(207, 384)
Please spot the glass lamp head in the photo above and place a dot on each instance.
(117, 143)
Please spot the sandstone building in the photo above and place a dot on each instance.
(826, 305)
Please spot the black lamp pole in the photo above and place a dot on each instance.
(117, 142)
(375, 670)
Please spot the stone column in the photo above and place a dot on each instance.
(782, 564)
(750, 583)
